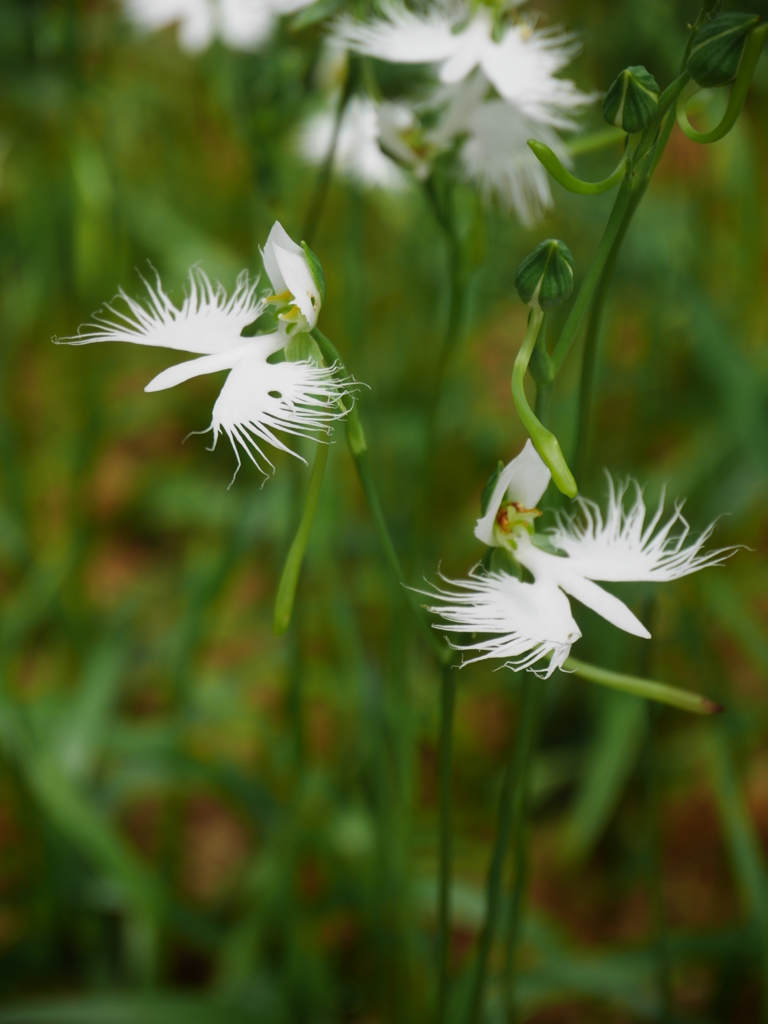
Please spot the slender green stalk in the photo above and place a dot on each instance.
(661, 692)
(544, 441)
(286, 591)
(535, 695)
(447, 708)
(589, 359)
(359, 449)
(317, 202)
(584, 298)
(511, 816)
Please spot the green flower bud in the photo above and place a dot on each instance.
(717, 49)
(544, 279)
(633, 100)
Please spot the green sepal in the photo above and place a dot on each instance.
(717, 49)
(316, 269)
(487, 494)
(544, 279)
(301, 348)
(501, 560)
(544, 543)
(632, 101)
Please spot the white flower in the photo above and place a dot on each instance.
(494, 151)
(358, 154)
(528, 621)
(457, 38)
(241, 24)
(258, 397)
(297, 292)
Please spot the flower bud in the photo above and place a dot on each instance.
(544, 279)
(633, 100)
(717, 49)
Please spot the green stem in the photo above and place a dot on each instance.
(580, 306)
(447, 708)
(359, 449)
(595, 141)
(638, 687)
(315, 208)
(286, 591)
(533, 692)
(511, 808)
(544, 441)
(592, 339)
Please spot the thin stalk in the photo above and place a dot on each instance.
(544, 441)
(646, 688)
(286, 591)
(359, 450)
(447, 708)
(317, 202)
(584, 298)
(511, 808)
(521, 861)
(592, 339)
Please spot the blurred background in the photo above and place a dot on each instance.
(202, 823)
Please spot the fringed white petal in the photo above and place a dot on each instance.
(622, 546)
(528, 622)
(259, 398)
(206, 323)
(400, 36)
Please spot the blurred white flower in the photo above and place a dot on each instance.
(499, 89)
(529, 621)
(258, 397)
(494, 151)
(458, 38)
(241, 24)
(358, 154)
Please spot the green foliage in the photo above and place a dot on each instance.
(202, 822)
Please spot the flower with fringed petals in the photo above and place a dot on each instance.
(297, 396)
(526, 622)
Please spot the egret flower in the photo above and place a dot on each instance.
(528, 621)
(520, 61)
(358, 155)
(241, 24)
(259, 397)
(494, 149)
(499, 88)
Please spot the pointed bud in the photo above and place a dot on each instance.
(632, 101)
(717, 49)
(544, 279)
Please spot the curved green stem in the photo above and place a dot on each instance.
(569, 181)
(286, 591)
(511, 814)
(638, 687)
(544, 441)
(359, 449)
(447, 708)
(752, 50)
